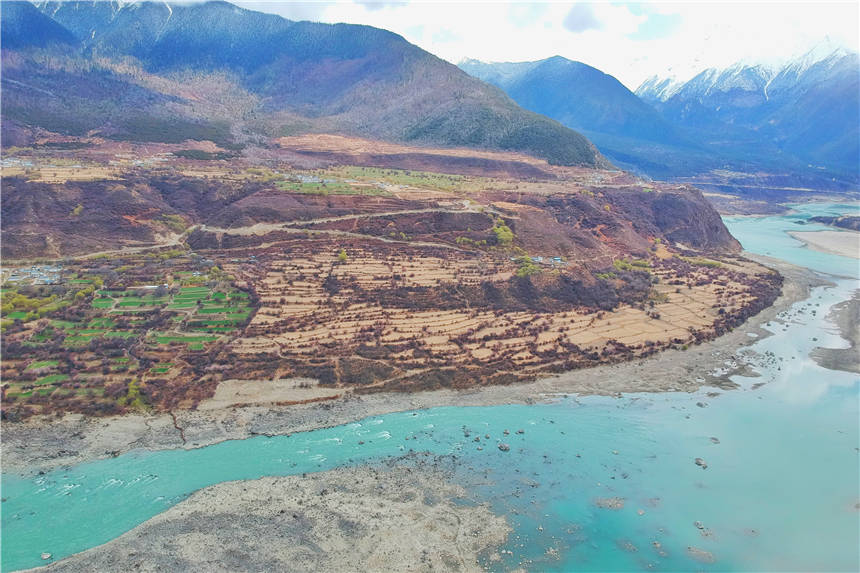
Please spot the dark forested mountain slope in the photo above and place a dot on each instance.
(23, 26)
(279, 75)
(577, 95)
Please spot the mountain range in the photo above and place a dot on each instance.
(577, 95)
(798, 121)
(159, 72)
(147, 71)
(808, 108)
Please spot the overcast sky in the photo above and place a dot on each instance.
(630, 40)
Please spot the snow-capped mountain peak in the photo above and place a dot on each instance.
(656, 88)
(764, 79)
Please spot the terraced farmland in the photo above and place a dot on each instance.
(141, 341)
(370, 315)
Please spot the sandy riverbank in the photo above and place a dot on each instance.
(41, 444)
(400, 515)
(845, 243)
(846, 315)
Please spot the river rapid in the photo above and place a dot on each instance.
(590, 483)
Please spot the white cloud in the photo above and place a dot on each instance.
(628, 40)
(581, 18)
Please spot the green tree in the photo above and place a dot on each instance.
(526, 267)
(134, 399)
(504, 235)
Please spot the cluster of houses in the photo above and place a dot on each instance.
(7, 162)
(132, 159)
(36, 274)
(252, 260)
(552, 261)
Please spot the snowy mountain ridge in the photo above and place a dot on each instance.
(748, 76)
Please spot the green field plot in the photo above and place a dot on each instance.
(167, 339)
(184, 305)
(28, 393)
(327, 188)
(19, 314)
(141, 301)
(88, 391)
(120, 334)
(89, 332)
(101, 323)
(184, 300)
(45, 335)
(120, 360)
(19, 394)
(186, 291)
(238, 316)
(195, 296)
(426, 179)
(64, 324)
(213, 325)
(51, 379)
(42, 364)
(199, 323)
(102, 302)
(64, 392)
(213, 310)
(161, 368)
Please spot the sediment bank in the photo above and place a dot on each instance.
(846, 315)
(399, 515)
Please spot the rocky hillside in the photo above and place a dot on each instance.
(580, 214)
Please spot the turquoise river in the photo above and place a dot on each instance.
(779, 493)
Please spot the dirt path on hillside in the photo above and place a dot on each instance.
(266, 228)
(173, 241)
